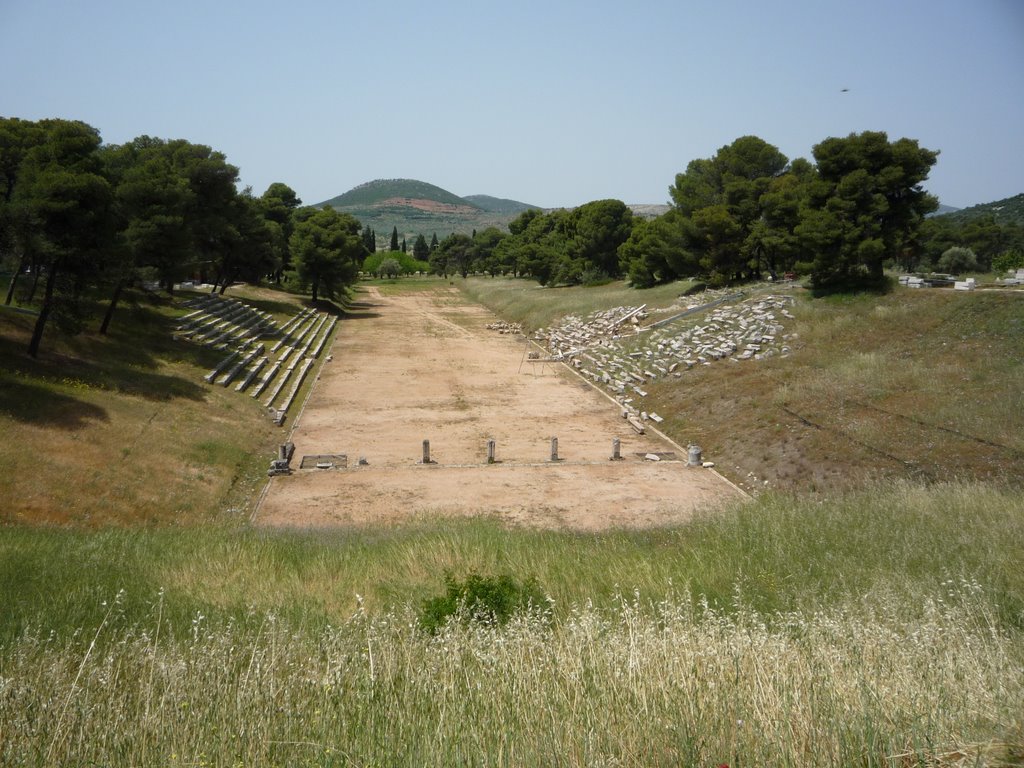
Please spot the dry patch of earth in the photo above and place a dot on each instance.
(423, 366)
(433, 206)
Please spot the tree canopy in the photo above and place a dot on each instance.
(327, 249)
(866, 205)
(748, 210)
(88, 220)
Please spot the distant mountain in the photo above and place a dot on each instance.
(418, 208)
(944, 209)
(1010, 210)
(648, 210)
(386, 191)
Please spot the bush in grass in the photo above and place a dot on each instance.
(389, 268)
(956, 260)
(484, 599)
(408, 265)
(594, 277)
(1008, 261)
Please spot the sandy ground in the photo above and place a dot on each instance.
(423, 366)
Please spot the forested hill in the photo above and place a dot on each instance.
(382, 191)
(1007, 211)
(416, 207)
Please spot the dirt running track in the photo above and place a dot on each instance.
(422, 366)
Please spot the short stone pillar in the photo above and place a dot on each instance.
(554, 449)
(282, 452)
(694, 459)
(490, 452)
(426, 452)
(616, 450)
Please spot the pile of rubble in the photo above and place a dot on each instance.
(599, 329)
(614, 350)
(503, 327)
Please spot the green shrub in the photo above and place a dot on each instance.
(593, 276)
(956, 260)
(389, 268)
(373, 263)
(484, 599)
(1008, 260)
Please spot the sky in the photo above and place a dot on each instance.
(553, 103)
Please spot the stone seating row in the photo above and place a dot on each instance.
(226, 313)
(296, 364)
(251, 365)
(289, 329)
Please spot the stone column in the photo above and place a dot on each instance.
(694, 459)
(490, 451)
(554, 449)
(616, 450)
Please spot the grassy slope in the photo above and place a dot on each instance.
(921, 385)
(916, 385)
(781, 552)
(123, 429)
(886, 623)
(523, 301)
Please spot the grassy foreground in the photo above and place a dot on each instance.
(882, 628)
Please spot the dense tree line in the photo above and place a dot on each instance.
(749, 211)
(88, 220)
(981, 244)
(460, 254)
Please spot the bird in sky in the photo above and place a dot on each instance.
(844, 90)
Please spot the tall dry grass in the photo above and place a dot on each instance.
(880, 628)
(667, 683)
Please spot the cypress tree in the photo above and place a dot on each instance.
(420, 249)
(394, 238)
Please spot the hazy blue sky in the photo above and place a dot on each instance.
(552, 103)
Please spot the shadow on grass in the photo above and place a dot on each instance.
(347, 308)
(853, 287)
(356, 313)
(37, 403)
(124, 361)
(269, 305)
